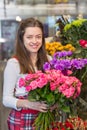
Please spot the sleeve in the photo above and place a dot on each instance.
(10, 76)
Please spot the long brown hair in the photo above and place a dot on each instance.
(21, 52)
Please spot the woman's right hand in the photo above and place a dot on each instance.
(40, 106)
(34, 105)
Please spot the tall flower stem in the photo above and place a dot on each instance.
(44, 121)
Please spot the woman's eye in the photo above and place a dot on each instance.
(29, 37)
(39, 37)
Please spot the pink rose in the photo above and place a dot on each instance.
(21, 82)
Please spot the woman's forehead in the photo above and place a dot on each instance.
(33, 30)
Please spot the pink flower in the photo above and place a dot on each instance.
(69, 92)
(21, 82)
(78, 90)
(63, 87)
(53, 86)
(41, 82)
(69, 72)
(70, 80)
(29, 77)
(34, 84)
(28, 88)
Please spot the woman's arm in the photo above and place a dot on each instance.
(10, 76)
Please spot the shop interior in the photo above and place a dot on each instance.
(48, 12)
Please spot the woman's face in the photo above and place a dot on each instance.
(32, 39)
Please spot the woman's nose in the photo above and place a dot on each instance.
(34, 40)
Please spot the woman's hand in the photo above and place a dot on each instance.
(53, 107)
(39, 106)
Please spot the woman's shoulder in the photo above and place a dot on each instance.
(12, 65)
(13, 62)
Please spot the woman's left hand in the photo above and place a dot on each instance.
(53, 107)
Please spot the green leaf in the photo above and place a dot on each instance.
(50, 98)
(66, 109)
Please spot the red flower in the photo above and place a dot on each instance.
(55, 128)
(69, 125)
(83, 43)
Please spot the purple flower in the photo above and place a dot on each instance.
(85, 61)
(66, 63)
(62, 61)
(59, 66)
(47, 66)
(54, 61)
(78, 63)
(62, 54)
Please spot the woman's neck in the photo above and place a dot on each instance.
(34, 59)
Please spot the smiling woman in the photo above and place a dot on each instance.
(30, 48)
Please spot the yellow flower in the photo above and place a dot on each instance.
(53, 47)
(69, 47)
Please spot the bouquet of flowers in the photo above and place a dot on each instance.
(72, 123)
(52, 86)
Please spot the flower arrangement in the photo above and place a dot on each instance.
(52, 47)
(75, 31)
(64, 61)
(52, 86)
(72, 123)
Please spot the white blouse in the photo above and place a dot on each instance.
(11, 89)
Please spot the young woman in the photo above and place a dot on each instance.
(30, 55)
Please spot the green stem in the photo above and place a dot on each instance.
(44, 120)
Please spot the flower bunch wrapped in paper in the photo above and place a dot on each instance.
(51, 86)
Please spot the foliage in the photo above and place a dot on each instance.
(75, 31)
(72, 32)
